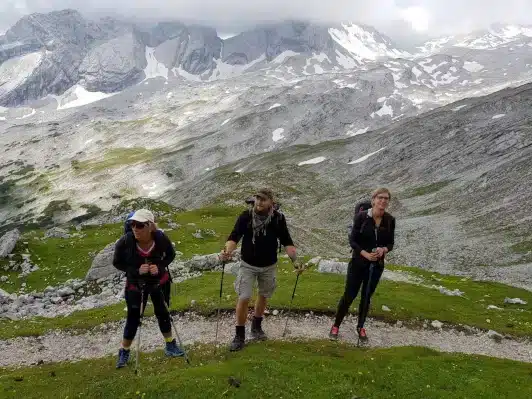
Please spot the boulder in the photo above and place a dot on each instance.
(65, 291)
(332, 266)
(56, 232)
(102, 265)
(8, 242)
(495, 335)
(205, 262)
(437, 324)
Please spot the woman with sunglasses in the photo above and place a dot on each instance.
(144, 255)
(372, 238)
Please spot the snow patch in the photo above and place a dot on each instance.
(224, 71)
(83, 97)
(186, 75)
(226, 121)
(431, 68)
(417, 72)
(318, 69)
(33, 112)
(362, 44)
(498, 116)
(362, 159)
(385, 110)
(274, 106)
(312, 161)
(459, 107)
(473, 66)
(154, 68)
(283, 56)
(169, 95)
(359, 131)
(345, 61)
(2, 118)
(278, 134)
(381, 100)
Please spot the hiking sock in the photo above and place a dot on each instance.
(241, 331)
(126, 347)
(257, 321)
(169, 339)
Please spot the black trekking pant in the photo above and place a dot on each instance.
(158, 294)
(358, 274)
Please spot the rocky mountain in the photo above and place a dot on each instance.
(108, 110)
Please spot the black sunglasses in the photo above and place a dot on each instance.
(139, 225)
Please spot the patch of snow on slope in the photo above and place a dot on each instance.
(359, 131)
(226, 121)
(83, 97)
(283, 56)
(224, 71)
(417, 72)
(345, 61)
(362, 43)
(498, 116)
(473, 66)
(312, 161)
(278, 134)
(154, 68)
(33, 112)
(274, 106)
(362, 159)
(385, 110)
(459, 107)
(431, 68)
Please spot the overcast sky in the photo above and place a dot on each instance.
(397, 18)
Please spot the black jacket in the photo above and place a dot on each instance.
(264, 251)
(127, 259)
(365, 236)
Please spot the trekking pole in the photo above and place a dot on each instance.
(366, 302)
(174, 327)
(219, 304)
(290, 306)
(141, 286)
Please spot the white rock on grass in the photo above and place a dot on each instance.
(437, 324)
(517, 301)
(495, 335)
(386, 308)
(8, 242)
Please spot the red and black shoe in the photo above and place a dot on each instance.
(362, 334)
(333, 334)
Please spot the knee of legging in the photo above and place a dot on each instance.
(133, 315)
(161, 313)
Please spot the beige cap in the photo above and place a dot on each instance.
(143, 216)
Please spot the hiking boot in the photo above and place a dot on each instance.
(257, 332)
(172, 350)
(123, 357)
(333, 334)
(237, 344)
(362, 334)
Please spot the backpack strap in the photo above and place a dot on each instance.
(365, 221)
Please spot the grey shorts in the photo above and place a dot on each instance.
(247, 274)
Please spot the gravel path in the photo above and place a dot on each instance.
(105, 340)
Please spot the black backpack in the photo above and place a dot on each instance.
(359, 207)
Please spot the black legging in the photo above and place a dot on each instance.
(358, 274)
(158, 294)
